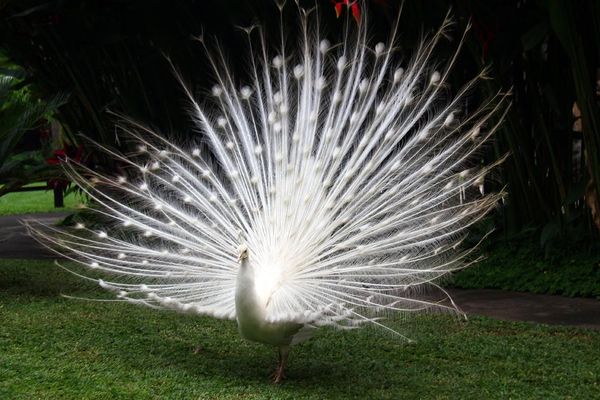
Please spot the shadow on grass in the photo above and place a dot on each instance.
(328, 365)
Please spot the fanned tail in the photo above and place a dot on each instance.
(352, 181)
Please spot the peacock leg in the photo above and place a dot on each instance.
(279, 374)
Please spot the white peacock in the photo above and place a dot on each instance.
(328, 186)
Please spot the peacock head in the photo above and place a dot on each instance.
(242, 252)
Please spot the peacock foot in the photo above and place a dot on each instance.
(278, 375)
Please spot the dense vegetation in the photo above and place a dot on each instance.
(523, 266)
(20, 113)
(111, 56)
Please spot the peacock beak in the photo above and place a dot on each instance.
(243, 253)
(242, 256)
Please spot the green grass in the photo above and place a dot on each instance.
(52, 347)
(523, 267)
(34, 202)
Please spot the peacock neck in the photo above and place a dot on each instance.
(246, 300)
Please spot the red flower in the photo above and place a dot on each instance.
(59, 156)
(351, 4)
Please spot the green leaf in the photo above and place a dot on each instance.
(534, 37)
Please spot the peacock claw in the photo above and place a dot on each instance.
(278, 375)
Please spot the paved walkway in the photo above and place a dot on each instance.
(513, 306)
(16, 243)
(518, 306)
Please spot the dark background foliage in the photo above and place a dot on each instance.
(112, 55)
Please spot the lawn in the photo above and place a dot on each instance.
(52, 347)
(34, 202)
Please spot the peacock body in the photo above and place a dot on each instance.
(325, 190)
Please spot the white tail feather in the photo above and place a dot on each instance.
(346, 176)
